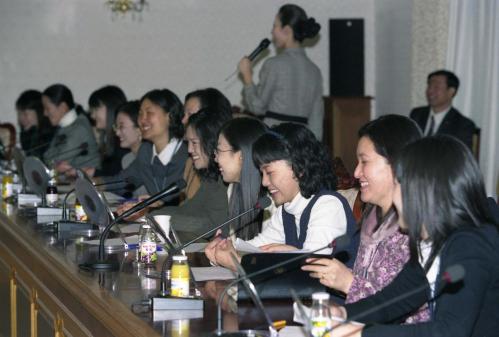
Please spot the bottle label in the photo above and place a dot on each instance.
(52, 199)
(319, 326)
(148, 252)
(80, 214)
(180, 287)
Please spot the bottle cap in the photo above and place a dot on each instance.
(320, 296)
(179, 258)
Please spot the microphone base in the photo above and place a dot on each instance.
(242, 333)
(177, 303)
(100, 266)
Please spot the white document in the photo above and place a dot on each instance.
(293, 331)
(212, 273)
(168, 315)
(195, 247)
(28, 199)
(49, 211)
(243, 246)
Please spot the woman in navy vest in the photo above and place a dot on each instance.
(297, 173)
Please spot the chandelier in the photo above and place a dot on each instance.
(124, 6)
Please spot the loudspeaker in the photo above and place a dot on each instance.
(346, 55)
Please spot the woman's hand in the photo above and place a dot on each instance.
(331, 273)
(277, 247)
(223, 254)
(246, 71)
(209, 250)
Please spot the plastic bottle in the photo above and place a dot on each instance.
(320, 315)
(180, 277)
(147, 246)
(7, 181)
(80, 214)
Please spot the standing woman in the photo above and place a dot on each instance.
(73, 145)
(160, 161)
(36, 131)
(103, 104)
(290, 85)
(440, 198)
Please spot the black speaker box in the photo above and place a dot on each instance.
(346, 50)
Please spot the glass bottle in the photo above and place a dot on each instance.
(180, 277)
(51, 196)
(320, 315)
(147, 246)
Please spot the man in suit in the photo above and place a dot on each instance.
(439, 117)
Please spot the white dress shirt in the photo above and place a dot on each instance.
(327, 222)
(68, 118)
(438, 116)
(167, 153)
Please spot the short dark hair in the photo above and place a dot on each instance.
(214, 99)
(171, 105)
(241, 133)
(295, 17)
(308, 158)
(59, 93)
(451, 78)
(207, 123)
(390, 133)
(442, 188)
(32, 100)
(131, 109)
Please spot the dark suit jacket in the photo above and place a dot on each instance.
(454, 124)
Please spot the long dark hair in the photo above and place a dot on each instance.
(170, 104)
(241, 133)
(308, 158)
(442, 191)
(59, 93)
(207, 123)
(295, 17)
(111, 97)
(131, 109)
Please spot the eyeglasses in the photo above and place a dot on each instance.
(217, 151)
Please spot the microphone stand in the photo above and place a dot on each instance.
(103, 265)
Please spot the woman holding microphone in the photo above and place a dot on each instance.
(290, 85)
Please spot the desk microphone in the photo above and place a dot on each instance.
(263, 202)
(338, 244)
(264, 44)
(103, 265)
(59, 140)
(83, 148)
(451, 275)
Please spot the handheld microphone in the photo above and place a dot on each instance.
(337, 244)
(451, 275)
(262, 203)
(264, 44)
(103, 265)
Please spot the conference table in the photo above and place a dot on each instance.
(44, 293)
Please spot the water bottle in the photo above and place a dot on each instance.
(320, 315)
(147, 246)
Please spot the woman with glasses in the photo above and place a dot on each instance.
(209, 206)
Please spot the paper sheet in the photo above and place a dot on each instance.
(212, 273)
(243, 246)
(168, 315)
(293, 331)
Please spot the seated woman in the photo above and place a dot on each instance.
(297, 173)
(160, 161)
(103, 104)
(36, 131)
(233, 155)
(126, 127)
(209, 206)
(441, 201)
(383, 249)
(73, 145)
